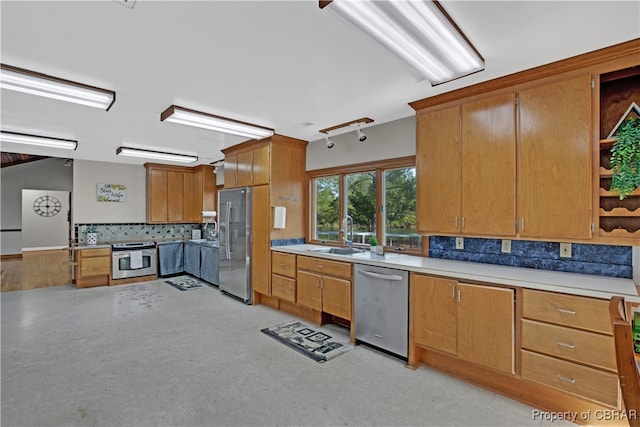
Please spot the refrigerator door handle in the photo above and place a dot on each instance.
(227, 244)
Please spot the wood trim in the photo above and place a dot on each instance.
(617, 52)
(324, 3)
(113, 282)
(168, 167)
(346, 124)
(255, 143)
(13, 230)
(11, 256)
(363, 167)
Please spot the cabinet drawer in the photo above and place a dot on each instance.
(86, 253)
(583, 381)
(283, 287)
(283, 264)
(581, 346)
(323, 266)
(95, 266)
(580, 312)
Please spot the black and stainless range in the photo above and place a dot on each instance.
(133, 259)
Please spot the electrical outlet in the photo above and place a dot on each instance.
(506, 246)
(459, 242)
(565, 250)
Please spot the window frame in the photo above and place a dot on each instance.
(379, 168)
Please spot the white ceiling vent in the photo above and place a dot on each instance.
(127, 3)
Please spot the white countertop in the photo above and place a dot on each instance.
(569, 283)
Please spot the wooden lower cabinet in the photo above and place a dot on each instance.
(325, 286)
(473, 322)
(93, 267)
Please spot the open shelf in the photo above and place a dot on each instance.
(620, 212)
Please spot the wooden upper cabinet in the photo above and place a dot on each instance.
(555, 160)
(489, 166)
(261, 165)
(438, 171)
(244, 169)
(156, 195)
(230, 171)
(178, 194)
(175, 190)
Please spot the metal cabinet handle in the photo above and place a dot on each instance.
(463, 223)
(459, 295)
(564, 344)
(565, 379)
(564, 311)
(282, 264)
(453, 292)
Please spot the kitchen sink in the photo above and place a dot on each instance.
(337, 251)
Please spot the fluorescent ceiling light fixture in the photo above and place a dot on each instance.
(34, 83)
(189, 117)
(42, 141)
(420, 32)
(156, 155)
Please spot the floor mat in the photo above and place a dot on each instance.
(185, 283)
(309, 341)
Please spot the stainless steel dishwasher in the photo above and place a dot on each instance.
(381, 308)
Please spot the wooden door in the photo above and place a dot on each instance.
(336, 297)
(261, 171)
(156, 195)
(261, 246)
(175, 196)
(555, 160)
(438, 171)
(244, 169)
(489, 166)
(309, 290)
(486, 326)
(434, 312)
(231, 171)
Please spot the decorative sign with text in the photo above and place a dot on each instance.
(111, 192)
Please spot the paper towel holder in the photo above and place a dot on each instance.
(279, 217)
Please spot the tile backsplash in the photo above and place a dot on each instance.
(135, 231)
(600, 260)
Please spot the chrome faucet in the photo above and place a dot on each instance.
(347, 232)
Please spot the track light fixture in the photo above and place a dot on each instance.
(329, 141)
(346, 127)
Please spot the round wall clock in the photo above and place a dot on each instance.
(47, 206)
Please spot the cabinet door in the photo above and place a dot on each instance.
(231, 171)
(555, 160)
(336, 297)
(309, 290)
(192, 259)
(489, 166)
(261, 244)
(244, 169)
(175, 197)
(438, 171)
(190, 198)
(434, 312)
(209, 270)
(157, 195)
(486, 326)
(171, 258)
(261, 170)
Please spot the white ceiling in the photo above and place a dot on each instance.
(280, 64)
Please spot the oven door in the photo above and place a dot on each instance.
(121, 265)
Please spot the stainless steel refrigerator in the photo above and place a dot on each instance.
(234, 224)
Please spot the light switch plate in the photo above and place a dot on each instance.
(506, 246)
(565, 250)
(459, 242)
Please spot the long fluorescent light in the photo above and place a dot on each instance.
(157, 155)
(419, 32)
(189, 117)
(42, 141)
(21, 80)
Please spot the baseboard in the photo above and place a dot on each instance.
(11, 256)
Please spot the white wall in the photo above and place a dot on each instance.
(386, 141)
(46, 174)
(86, 208)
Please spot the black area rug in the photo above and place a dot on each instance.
(307, 340)
(185, 283)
